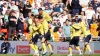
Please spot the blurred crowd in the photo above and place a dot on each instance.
(16, 16)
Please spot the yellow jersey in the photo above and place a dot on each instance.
(85, 29)
(75, 30)
(34, 29)
(44, 27)
(46, 16)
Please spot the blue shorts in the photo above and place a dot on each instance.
(75, 41)
(47, 35)
(87, 39)
(35, 38)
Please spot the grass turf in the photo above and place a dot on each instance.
(40, 55)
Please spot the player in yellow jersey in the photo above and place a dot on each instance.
(46, 35)
(45, 15)
(75, 37)
(34, 35)
(87, 34)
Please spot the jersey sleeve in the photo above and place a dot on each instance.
(71, 31)
(41, 30)
(47, 17)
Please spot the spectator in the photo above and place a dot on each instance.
(68, 6)
(89, 13)
(9, 3)
(57, 23)
(6, 18)
(38, 2)
(95, 5)
(30, 17)
(5, 47)
(4, 8)
(84, 3)
(56, 35)
(94, 20)
(19, 5)
(42, 5)
(26, 9)
(56, 8)
(47, 10)
(35, 6)
(83, 17)
(2, 2)
(14, 7)
(98, 13)
(48, 4)
(75, 7)
(66, 29)
(12, 24)
(98, 29)
(61, 34)
(20, 24)
(62, 5)
(35, 9)
(1, 21)
(63, 18)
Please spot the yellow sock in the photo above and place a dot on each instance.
(88, 47)
(44, 46)
(32, 46)
(36, 48)
(78, 48)
(70, 50)
(85, 48)
(50, 47)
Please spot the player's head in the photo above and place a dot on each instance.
(40, 10)
(73, 21)
(40, 17)
(36, 18)
(79, 20)
(33, 17)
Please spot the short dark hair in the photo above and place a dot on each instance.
(40, 9)
(73, 20)
(32, 15)
(40, 17)
(36, 16)
(79, 20)
(67, 20)
(5, 3)
(13, 11)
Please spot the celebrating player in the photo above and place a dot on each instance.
(46, 35)
(75, 36)
(34, 35)
(87, 34)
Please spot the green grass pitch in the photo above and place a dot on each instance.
(40, 55)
